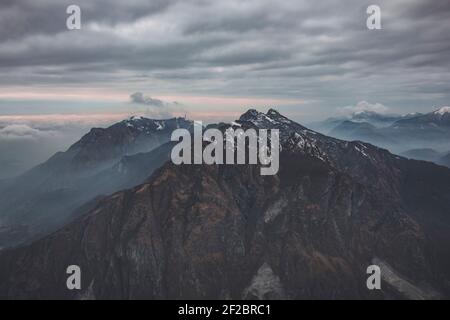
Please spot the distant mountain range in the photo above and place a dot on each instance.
(379, 119)
(224, 231)
(375, 119)
(428, 154)
(411, 135)
(101, 162)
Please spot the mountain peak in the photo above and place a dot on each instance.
(442, 111)
(273, 112)
(250, 113)
(255, 116)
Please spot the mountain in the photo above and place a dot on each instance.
(326, 125)
(444, 160)
(438, 118)
(101, 162)
(431, 130)
(368, 118)
(426, 154)
(224, 231)
(365, 126)
(101, 147)
(349, 130)
(431, 127)
(398, 134)
(375, 118)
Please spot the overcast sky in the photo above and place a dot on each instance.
(212, 60)
(201, 57)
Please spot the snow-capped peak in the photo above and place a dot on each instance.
(145, 124)
(271, 119)
(443, 111)
(160, 125)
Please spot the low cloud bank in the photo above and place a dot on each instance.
(362, 106)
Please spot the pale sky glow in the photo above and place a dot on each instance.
(64, 118)
(194, 107)
(61, 94)
(99, 94)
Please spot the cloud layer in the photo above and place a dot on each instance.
(315, 51)
(364, 106)
(22, 132)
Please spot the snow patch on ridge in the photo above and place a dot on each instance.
(264, 285)
(160, 125)
(274, 210)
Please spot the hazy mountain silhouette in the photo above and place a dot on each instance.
(101, 162)
(404, 135)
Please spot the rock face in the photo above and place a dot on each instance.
(225, 231)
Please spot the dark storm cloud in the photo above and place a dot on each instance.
(427, 9)
(20, 18)
(295, 49)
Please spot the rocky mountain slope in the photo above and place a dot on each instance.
(225, 231)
